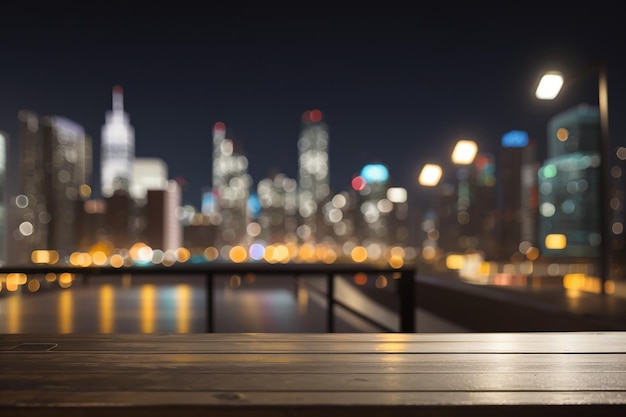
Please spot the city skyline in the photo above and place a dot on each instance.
(400, 90)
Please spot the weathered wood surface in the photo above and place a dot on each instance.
(579, 373)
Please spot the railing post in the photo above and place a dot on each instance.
(209, 303)
(406, 300)
(330, 291)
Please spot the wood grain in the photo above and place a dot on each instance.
(228, 374)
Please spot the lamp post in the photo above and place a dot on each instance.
(548, 88)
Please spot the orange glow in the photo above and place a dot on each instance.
(556, 241)
(307, 252)
(359, 254)
(44, 257)
(238, 254)
(454, 261)
(117, 261)
(211, 253)
(360, 278)
(99, 258)
(65, 280)
(532, 253)
(182, 254)
(396, 262)
(33, 285)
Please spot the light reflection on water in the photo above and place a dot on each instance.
(130, 305)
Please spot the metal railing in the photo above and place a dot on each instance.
(405, 279)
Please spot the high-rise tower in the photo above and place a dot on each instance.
(231, 187)
(313, 170)
(55, 170)
(118, 148)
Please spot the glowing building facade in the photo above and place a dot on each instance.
(231, 188)
(55, 166)
(118, 148)
(277, 217)
(148, 174)
(313, 172)
(569, 184)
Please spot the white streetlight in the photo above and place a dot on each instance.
(549, 85)
(464, 152)
(430, 175)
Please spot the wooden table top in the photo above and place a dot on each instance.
(263, 374)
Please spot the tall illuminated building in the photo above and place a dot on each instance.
(231, 188)
(277, 197)
(569, 186)
(518, 200)
(313, 173)
(163, 229)
(55, 169)
(118, 148)
(148, 174)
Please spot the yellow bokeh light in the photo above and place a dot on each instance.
(396, 262)
(238, 254)
(117, 261)
(556, 241)
(99, 258)
(211, 253)
(454, 261)
(359, 254)
(307, 253)
(182, 255)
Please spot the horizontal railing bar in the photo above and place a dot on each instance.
(215, 268)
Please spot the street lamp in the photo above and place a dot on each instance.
(547, 89)
(430, 175)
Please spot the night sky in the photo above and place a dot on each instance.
(396, 85)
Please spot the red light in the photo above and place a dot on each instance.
(315, 116)
(219, 126)
(358, 183)
(305, 117)
(481, 161)
(118, 89)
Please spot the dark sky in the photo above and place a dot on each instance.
(396, 84)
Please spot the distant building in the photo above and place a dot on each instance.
(277, 217)
(55, 169)
(163, 230)
(118, 148)
(231, 188)
(313, 173)
(148, 174)
(518, 199)
(569, 186)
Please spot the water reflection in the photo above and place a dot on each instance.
(171, 305)
(66, 312)
(148, 310)
(107, 308)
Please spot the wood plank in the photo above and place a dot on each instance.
(313, 374)
(559, 342)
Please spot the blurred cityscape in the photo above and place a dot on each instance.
(499, 214)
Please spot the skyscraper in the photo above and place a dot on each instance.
(118, 148)
(569, 186)
(231, 187)
(313, 172)
(55, 169)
